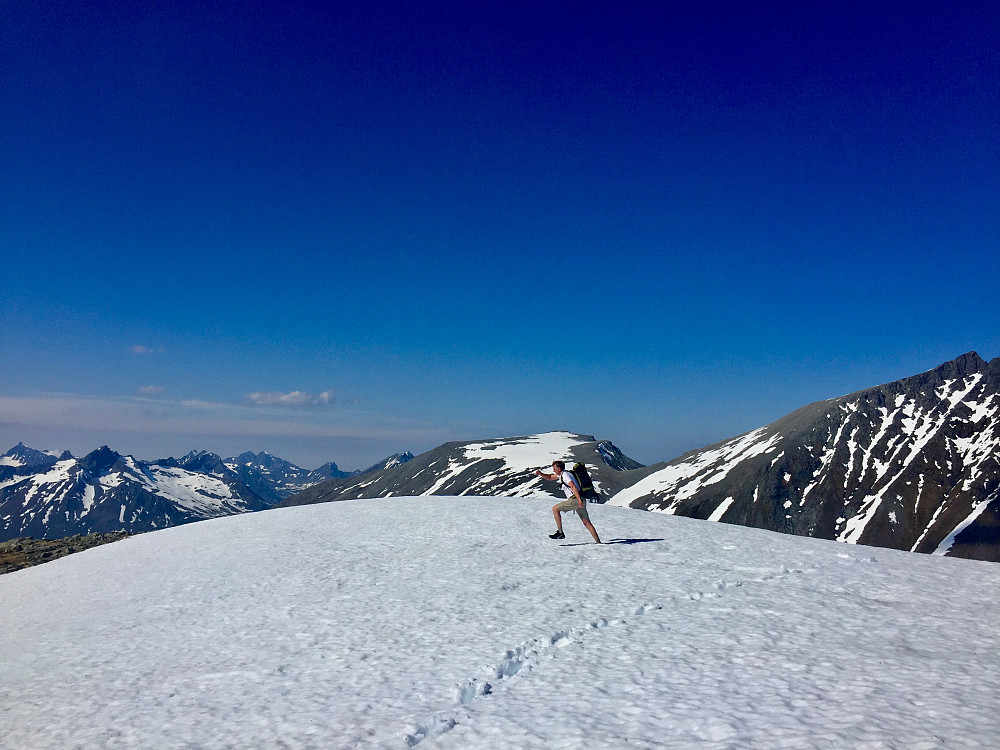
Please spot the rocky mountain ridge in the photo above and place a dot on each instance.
(913, 465)
(22, 460)
(503, 466)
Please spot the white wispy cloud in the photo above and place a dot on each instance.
(293, 398)
(56, 412)
(141, 349)
(150, 390)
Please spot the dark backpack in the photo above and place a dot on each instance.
(587, 491)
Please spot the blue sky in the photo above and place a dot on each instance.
(661, 227)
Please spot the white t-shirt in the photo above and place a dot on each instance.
(568, 480)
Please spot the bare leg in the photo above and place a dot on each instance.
(591, 529)
(558, 516)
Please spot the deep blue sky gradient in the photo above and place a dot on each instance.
(663, 227)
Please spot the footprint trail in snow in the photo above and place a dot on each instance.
(527, 656)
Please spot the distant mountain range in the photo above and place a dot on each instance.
(51, 494)
(913, 465)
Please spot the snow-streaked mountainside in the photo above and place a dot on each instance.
(492, 467)
(46, 494)
(912, 465)
(442, 622)
(105, 491)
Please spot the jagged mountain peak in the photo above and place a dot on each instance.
(614, 458)
(27, 456)
(205, 463)
(387, 463)
(967, 363)
(263, 459)
(105, 491)
(330, 469)
(194, 455)
(100, 461)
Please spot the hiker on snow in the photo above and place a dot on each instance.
(574, 500)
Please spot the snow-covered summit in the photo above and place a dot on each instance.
(444, 622)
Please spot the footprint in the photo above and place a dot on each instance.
(472, 689)
(561, 639)
(432, 727)
(697, 596)
(511, 662)
(724, 584)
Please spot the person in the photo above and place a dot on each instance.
(573, 501)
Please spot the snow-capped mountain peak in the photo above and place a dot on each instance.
(25, 458)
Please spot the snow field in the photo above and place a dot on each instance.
(455, 623)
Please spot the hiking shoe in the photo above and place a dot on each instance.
(557, 535)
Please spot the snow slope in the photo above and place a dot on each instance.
(454, 623)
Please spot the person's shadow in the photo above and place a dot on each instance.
(616, 541)
(633, 541)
